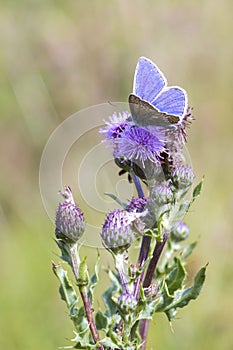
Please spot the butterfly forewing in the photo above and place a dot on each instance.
(149, 81)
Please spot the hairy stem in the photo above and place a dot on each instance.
(119, 263)
(89, 314)
(84, 294)
(75, 259)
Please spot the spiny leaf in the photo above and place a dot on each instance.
(93, 280)
(101, 320)
(176, 277)
(65, 251)
(183, 209)
(181, 297)
(67, 291)
(68, 294)
(108, 294)
(148, 310)
(188, 250)
(108, 343)
(82, 343)
(197, 189)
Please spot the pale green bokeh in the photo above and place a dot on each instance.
(61, 56)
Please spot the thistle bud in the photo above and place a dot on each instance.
(118, 230)
(127, 303)
(161, 194)
(180, 231)
(70, 223)
(182, 176)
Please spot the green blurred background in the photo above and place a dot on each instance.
(61, 56)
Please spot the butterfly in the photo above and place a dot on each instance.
(152, 101)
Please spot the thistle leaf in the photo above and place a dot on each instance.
(182, 297)
(176, 277)
(93, 280)
(108, 294)
(197, 189)
(68, 294)
(188, 250)
(101, 320)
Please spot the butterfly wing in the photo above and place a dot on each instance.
(172, 101)
(144, 114)
(149, 81)
(152, 102)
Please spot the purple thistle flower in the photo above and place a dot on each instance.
(138, 144)
(118, 231)
(175, 139)
(116, 125)
(70, 223)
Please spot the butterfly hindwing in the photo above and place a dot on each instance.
(172, 100)
(144, 114)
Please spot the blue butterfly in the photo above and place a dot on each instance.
(152, 101)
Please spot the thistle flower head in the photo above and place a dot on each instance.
(118, 231)
(161, 194)
(180, 231)
(161, 199)
(116, 125)
(138, 144)
(127, 303)
(174, 140)
(137, 205)
(70, 223)
(182, 176)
